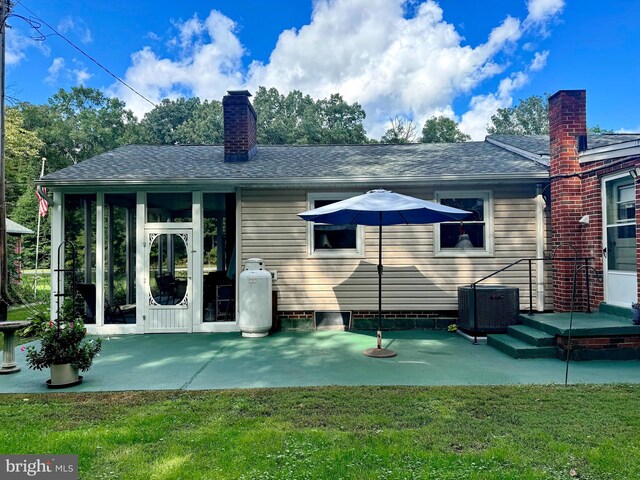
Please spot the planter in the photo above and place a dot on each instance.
(635, 315)
(64, 375)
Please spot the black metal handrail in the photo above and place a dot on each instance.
(530, 262)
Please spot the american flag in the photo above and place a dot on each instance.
(44, 206)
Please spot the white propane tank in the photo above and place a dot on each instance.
(254, 317)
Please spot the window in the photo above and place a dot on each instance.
(473, 236)
(333, 240)
(621, 225)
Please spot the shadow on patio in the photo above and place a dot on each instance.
(286, 359)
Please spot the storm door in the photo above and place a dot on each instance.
(619, 239)
(168, 280)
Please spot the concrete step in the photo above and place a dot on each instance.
(584, 324)
(516, 348)
(531, 335)
(615, 310)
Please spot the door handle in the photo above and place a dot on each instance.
(604, 252)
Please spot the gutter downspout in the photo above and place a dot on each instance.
(540, 237)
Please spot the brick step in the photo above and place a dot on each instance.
(517, 348)
(531, 335)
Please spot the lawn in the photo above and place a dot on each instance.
(502, 432)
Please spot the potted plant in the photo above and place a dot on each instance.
(635, 313)
(63, 349)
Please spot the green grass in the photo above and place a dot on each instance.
(502, 432)
(22, 312)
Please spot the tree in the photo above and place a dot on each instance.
(22, 160)
(596, 129)
(298, 119)
(402, 131)
(341, 123)
(170, 122)
(78, 124)
(442, 130)
(287, 119)
(529, 117)
(206, 126)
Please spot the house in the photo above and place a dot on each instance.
(168, 228)
(14, 229)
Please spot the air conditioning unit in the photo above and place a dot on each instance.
(497, 308)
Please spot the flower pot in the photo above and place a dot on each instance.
(635, 315)
(64, 375)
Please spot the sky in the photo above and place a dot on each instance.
(416, 58)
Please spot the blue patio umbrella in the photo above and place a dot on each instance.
(382, 207)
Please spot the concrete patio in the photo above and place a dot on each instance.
(287, 359)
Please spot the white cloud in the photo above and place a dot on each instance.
(208, 65)
(539, 61)
(632, 130)
(543, 10)
(54, 70)
(17, 45)
(367, 50)
(58, 72)
(474, 122)
(81, 75)
(77, 27)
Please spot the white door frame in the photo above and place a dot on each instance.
(168, 318)
(620, 288)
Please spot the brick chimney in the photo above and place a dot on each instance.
(567, 136)
(240, 139)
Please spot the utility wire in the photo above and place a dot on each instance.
(80, 50)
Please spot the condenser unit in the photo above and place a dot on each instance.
(497, 308)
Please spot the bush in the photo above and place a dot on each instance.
(62, 342)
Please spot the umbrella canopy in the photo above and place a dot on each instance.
(382, 207)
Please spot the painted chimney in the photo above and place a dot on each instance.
(567, 134)
(240, 139)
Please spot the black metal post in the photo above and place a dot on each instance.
(530, 289)
(475, 316)
(379, 335)
(586, 272)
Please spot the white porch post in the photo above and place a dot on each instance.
(197, 259)
(100, 259)
(88, 241)
(141, 275)
(540, 237)
(110, 253)
(130, 266)
(57, 237)
(238, 247)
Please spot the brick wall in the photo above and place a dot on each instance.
(576, 190)
(240, 137)
(567, 121)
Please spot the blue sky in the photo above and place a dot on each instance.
(462, 59)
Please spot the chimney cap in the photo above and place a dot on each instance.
(239, 93)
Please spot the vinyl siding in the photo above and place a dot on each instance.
(413, 278)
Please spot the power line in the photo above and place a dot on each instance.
(80, 50)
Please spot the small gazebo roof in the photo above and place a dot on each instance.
(14, 228)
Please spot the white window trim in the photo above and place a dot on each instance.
(358, 252)
(488, 250)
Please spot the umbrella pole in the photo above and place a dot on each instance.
(379, 351)
(379, 334)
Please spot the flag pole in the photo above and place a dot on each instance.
(35, 280)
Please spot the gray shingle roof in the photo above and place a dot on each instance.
(156, 164)
(539, 144)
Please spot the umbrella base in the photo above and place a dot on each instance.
(379, 352)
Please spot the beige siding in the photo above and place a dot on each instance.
(413, 278)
